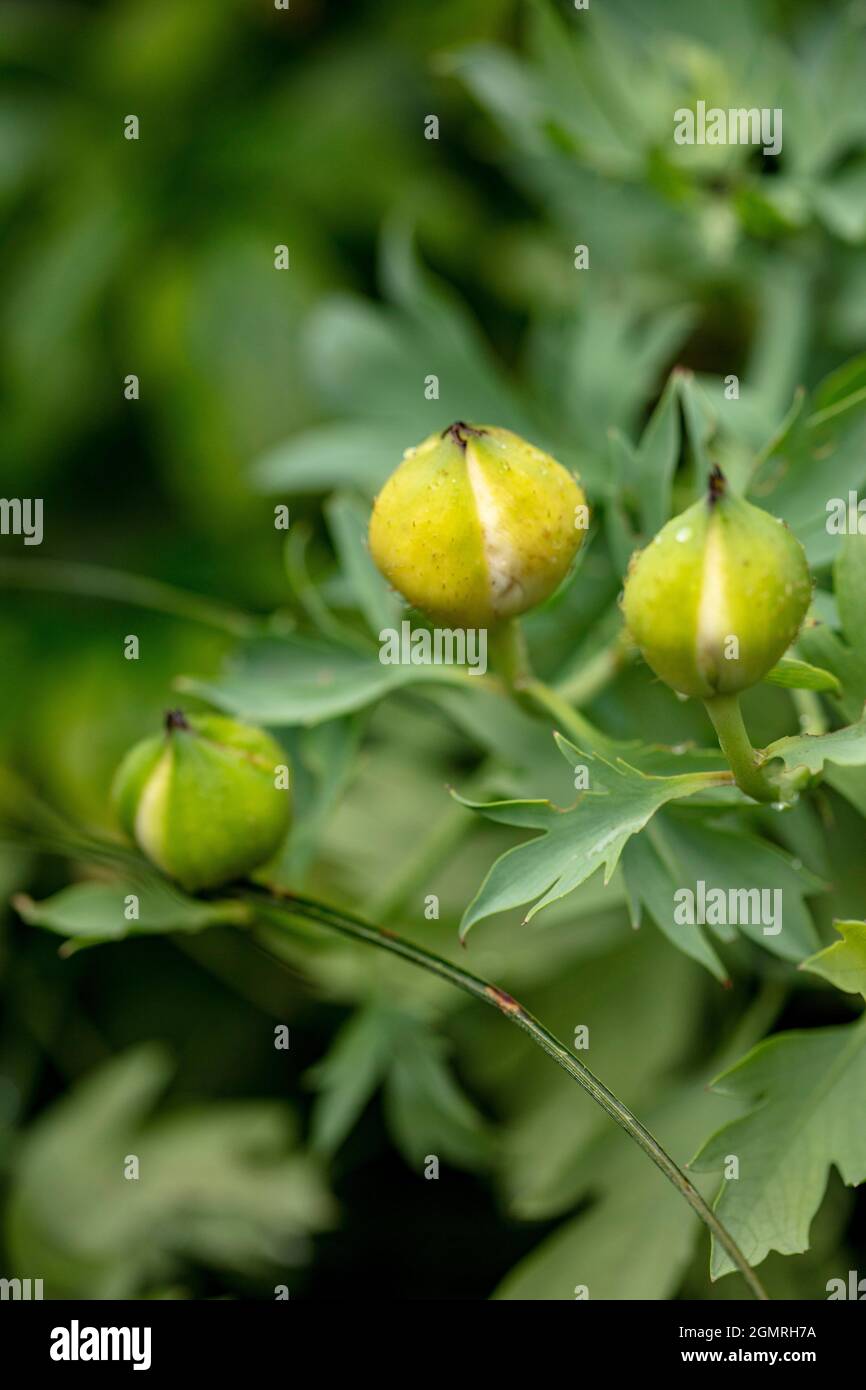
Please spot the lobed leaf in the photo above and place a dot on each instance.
(843, 963)
(844, 747)
(306, 680)
(577, 841)
(804, 1092)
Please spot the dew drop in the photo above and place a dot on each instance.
(684, 533)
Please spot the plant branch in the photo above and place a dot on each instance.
(282, 904)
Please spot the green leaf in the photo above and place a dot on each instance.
(548, 1150)
(700, 422)
(621, 538)
(369, 364)
(845, 747)
(350, 1074)
(658, 453)
(825, 648)
(348, 519)
(611, 361)
(799, 675)
(650, 884)
(677, 853)
(804, 1092)
(352, 453)
(843, 963)
(597, 1248)
(575, 842)
(425, 1109)
(841, 202)
(849, 782)
(219, 1185)
(323, 758)
(820, 457)
(306, 680)
(849, 585)
(96, 912)
(845, 654)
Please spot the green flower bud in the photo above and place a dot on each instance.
(476, 525)
(718, 596)
(202, 800)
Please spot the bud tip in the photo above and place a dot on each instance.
(459, 432)
(716, 485)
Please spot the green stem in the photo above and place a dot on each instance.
(92, 581)
(567, 720)
(508, 654)
(358, 930)
(510, 659)
(727, 717)
(597, 673)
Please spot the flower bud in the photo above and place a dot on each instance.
(476, 525)
(718, 596)
(202, 801)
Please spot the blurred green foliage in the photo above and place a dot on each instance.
(409, 257)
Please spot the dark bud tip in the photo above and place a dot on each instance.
(460, 432)
(715, 485)
(175, 719)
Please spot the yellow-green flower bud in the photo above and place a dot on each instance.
(205, 801)
(718, 596)
(476, 525)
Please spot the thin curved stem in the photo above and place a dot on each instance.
(509, 657)
(734, 741)
(278, 903)
(308, 596)
(567, 720)
(94, 581)
(595, 675)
